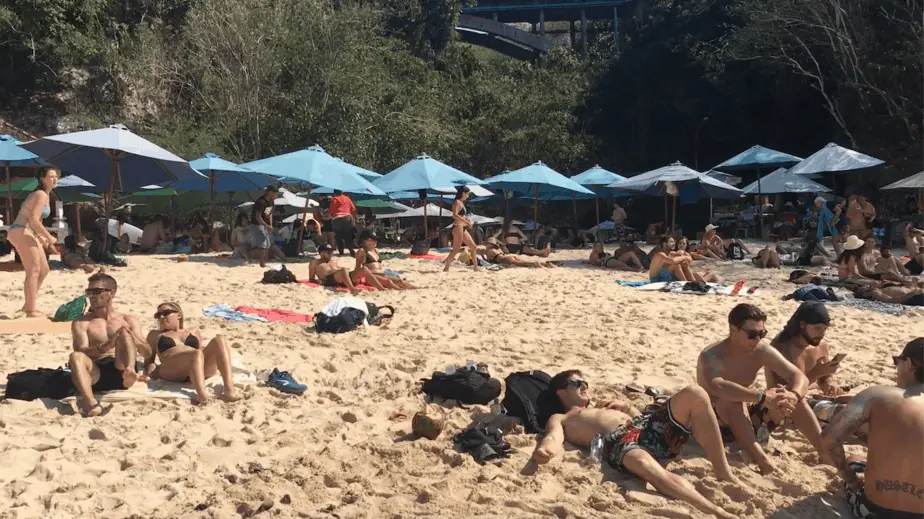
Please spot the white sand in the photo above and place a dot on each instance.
(334, 452)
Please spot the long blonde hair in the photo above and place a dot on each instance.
(174, 306)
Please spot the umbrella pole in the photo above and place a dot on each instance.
(574, 201)
(423, 197)
(665, 211)
(211, 195)
(440, 221)
(674, 216)
(77, 221)
(301, 231)
(9, 195)
(597, 204)
(536, 218)
(230, 216)
(113, 173)
(760, 206)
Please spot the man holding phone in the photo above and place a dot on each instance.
(802, 343)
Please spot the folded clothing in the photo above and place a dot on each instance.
(275, 314)
(227, 313)
(335, 289)
(484, 443)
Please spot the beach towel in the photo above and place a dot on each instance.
(336, 289)
(633, 284)
(429, 257)
(275, 314)
(392, 255)
(874, 306)
(676, 287)
(225, 312)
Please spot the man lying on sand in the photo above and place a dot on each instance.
(890, 483)
(325, 271)
(106, 344)
(728, 368)
(494, 252)
(892, 294)
(635, 443)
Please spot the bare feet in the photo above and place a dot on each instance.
(201, 400)
(91, 410)
(230, 395)
(766, 468)
(355, 291)
(129, 377)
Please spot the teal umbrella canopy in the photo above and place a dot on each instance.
(782, 181)
(537, 180)
(314, 167)
(832, 159)
(757, 157)
(424, 173)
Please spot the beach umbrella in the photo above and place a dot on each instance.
(222, 176)
(912, 182)
(382, 206)
(758, 158)
(12, 155)
(832, 159)
(89, 154)
(668, 181)
(729, 179)
(314, 168)
(371, 176)
(537, 180)
(782, 181)
(594, 178)
(424, 175)
(67, 190)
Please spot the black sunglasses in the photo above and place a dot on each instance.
(896, 359)
(577, 383)
(755, 334)
(163, 313)
(96, 291)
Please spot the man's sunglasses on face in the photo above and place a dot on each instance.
(96, 291)
(577, 383)
(755, 334)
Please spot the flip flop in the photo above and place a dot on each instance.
(86, 412)
(738, 286)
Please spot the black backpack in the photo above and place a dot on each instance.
(39, 383)
(347, 320)
(523, 398)
(283, 275)
(734, 252)
(464, 386)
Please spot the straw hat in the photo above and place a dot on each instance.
(711, 227)
(853, 243)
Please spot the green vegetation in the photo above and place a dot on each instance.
(380, 82)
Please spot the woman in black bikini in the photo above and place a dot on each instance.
(369, 266)
(460, 226)
(496, 254)
(183, 358)
(599, 258)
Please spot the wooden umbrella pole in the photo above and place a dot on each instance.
(9, 195)
(760, 207)
(230, 215)
(113, 173)
(674, 216)
(301, 231)
(597, 204)
(536, 218)
(77, 221)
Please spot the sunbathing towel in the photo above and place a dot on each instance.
(431, 257)
(275, 314)
(337, 288)
(225, 312)
(633, 284)
(676, 287)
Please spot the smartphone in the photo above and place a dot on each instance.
(839, 357)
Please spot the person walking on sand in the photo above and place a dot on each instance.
(106, 344)
(182, 356)
(460, 226)
(890, 482)
(31, 240)
(261, 223)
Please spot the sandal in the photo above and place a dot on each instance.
(87, 412)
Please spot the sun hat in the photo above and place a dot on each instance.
(853, 242)
(711, 227)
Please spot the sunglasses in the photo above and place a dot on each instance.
(577, 383)
(755, 334)
(96, 291)
(163, 313)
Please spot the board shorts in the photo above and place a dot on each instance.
(758, 416)
(110, 377)
(259, 237)
(664, 276)
(655, 431)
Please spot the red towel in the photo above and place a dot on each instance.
(336, 289)
(432, 257)
(276, 315)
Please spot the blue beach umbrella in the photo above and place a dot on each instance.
(782, 181)
(314, 168)
(537, 180)
(758, 158)
(371, 176)
(222, 176)
(596, 178)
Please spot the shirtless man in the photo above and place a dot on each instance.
(859, 215)
(914, 242)
(892, 294)
(106, 344)
(728, 368)
(890, 484)
(666, 267)
(635, 443)
(154, 237)
(326, 272)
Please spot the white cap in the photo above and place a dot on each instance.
(711, 227)
(819, 200)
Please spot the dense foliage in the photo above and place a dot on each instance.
(379, 82)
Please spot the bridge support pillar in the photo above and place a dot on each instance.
(616, 31)
(584, 33)
(494, 15)
(542, 23)
(571, 32)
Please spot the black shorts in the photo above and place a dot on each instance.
(914, 268)
(110, 377)
(327, 227)
(862, 508)
(330, 280)
(916, 300)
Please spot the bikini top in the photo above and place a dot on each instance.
(165, 343)
(371, 259)
(462, 211)
(46, 212)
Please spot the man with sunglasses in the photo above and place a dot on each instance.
(890, 483)
(728, 369)
(633, 443)
(106, 344)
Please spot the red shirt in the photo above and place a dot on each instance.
(341, 205)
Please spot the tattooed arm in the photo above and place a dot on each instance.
(844, 425)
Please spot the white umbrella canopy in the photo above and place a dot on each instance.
(782, 181)
(288, 198)
(912, 182)
(431, 209)
(658, 182)
(833, 158)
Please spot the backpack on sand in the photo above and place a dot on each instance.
(523, 398)
(283, 275)
(464, 386)
(39, 383)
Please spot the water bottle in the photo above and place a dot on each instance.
(763, 435)
(470, 365)
(596, 449)
(450, 369)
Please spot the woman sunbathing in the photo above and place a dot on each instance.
(599, 258)
(517, 242)
(495, 254)
(182, 357)
(847, 263)
(369, 266)
(76, 258)
(892, 294)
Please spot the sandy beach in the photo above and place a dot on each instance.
(343, 449)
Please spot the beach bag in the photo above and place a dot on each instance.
(420, 248)
(70, 311)
(39, 383)
(522, 398)
(347, 320)
(464, 386)
(375, 316)
(734, 252)
(283, 275)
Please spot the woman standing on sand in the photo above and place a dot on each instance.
(460, 226)
(30, 238)
(182, 357)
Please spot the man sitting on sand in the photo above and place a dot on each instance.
(636, 443)
(325, 271)
(914, 242)
(802, 343)
(890, 483)
(154, 237)
(106, 344)
(76, 257)
(728, 369)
